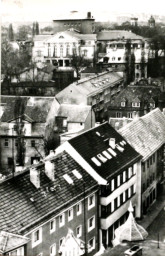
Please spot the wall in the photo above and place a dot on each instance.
(60, 232)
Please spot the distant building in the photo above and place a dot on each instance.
(85, 25)
(118, 47)
(46, 199)
(147, 136)
(95, 91)
(134, 21)
(35, 121)
(136, 100)
(151, 22)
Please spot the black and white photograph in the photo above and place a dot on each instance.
(82, 128)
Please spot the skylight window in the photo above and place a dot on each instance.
(98, 133)
(121, 143)
(124, 142)
(94, 159)
(77, 174)
(68, 178)
(119, 148)
(105, 153)
(102, 158)
(112, 151)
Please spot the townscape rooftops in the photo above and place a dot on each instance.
(146, 134)
(70, 33)
(78, 92)
(22, 205)
(36, 108)
(136, 94)
(120, 34)
(74, 113)
(73, 15)
(9, 241)
(94, 144)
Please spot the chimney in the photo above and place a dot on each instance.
(89, 15)
(49, 170)
(35, 177)
(112, 142)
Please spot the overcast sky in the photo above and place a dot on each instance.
(46, 10)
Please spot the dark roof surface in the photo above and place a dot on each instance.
(117, 34)
(18, 211)
(89, 144)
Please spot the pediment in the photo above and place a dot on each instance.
(62, 37)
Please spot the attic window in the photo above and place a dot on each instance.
(94, 159)
(123, 104)
(105, 153)
(135, 104)
(77, 174)
(68, 178)
(112, 151)
(102, 158)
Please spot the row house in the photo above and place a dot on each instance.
(59, 48)
(106, 155)
(119, 46)
(41, 203)
(95, 91)
(34, 121)
(147, 136)
(136, 100)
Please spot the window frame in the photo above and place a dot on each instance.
(36, 242)
(93, 201)
(94, 243)
(54, 226)
(61, 224)
(93, 223)
(53, 253)
(6, 143)
(71, 216)
(80, 208)
(80, 234)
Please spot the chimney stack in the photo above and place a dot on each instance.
(49, 170)
(112, 142)
(89, 15)
(35, 177)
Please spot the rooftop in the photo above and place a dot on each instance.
(22, 205)
(77, 92)
(146, 134)
(114, 34)
(74, 113)
(93, 146)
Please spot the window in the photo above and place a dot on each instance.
(61, 51)
(79, 231)
(67, 50)
(137, 66)
(16, 143)
(113, 58)
(70, 214)
(118, 114)
(124, 176)
(112, 206)
(61, 220)
(91, 223)
(148, 164)
(52, 226)
(36, 237)
(112, 185)
(49, 52)
(79, 209)
(118, 201)
(60, 241)
(119, 58)
(91, 244)
(118, 180)
(130, 172)
(6, 144)
(123, 104)
(153, 158)
(124, 196)
(17, 252)
(33, 143)
(129, 115)
(135, 104)
(91, 202)
(53, 250)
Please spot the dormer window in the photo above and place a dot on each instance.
(123, 104)
(136, 104)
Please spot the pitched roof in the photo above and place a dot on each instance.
(77, 93)
(117, 34)
(36, 108)
(131, 93)
(146, 134)
(94, 141)
(74, 113)
(9, 241)
(22, 206)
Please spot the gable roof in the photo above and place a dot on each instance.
(117, 34)
(146, 134)
(77, 93)
(74, 113)
(19, 213)
(94, 141)
(37, 111)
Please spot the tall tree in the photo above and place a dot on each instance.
(37, 28)
(19, 109)
(130, 62)
(34, 29)
(11, 33)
